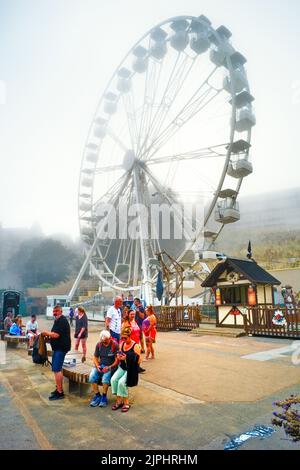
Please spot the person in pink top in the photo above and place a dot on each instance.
(135, 330)
(149, 329)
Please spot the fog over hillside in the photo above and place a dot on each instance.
(15, 246)
(271, 210)
(271, 221)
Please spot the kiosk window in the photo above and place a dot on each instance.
(234, 295)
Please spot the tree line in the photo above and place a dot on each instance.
(43, 262)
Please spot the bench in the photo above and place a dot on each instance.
(2, 334)
(76, 379)
(13, 340)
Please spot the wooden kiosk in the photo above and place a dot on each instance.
(238, 285)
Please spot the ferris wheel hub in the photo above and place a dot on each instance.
(129, 160)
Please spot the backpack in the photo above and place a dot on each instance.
(39, 351)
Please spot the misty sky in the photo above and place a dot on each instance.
(56, 57)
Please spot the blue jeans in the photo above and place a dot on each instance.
(95, 375)
(58, 358)
(115, 335)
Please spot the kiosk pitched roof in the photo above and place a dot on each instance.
(249, 268)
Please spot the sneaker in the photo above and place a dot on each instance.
(53, 393)
(95, 400)
(103, 402)
(141, 370)
(57, 396)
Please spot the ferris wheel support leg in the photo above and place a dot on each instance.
(144, 241)
(83, 269)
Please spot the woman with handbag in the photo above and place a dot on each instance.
(127, 374)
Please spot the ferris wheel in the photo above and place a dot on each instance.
(173, 125)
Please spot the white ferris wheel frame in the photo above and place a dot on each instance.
(90, 248)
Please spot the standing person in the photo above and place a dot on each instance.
(81, 331)
(149, 328)
(8, 321)
(60, 340)
(113, 318)
(105, 362)
(125, 313)
(139, 318)
(135, 331)
(71, 316)
(127, 374)
(31, 330)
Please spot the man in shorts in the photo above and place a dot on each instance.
(104, 363)
(60, 340)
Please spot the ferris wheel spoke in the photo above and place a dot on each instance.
(132, 121)
(119, 256)
(193, 234)
(171, 201)
(162, 103)
(186, 114)
(117, 140)
(208, 152)
(192, 107)
(170, 98)
(123, 250)
(153, 76)
(154, 238)
(108, 169)
(114, 193)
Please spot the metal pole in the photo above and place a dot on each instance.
(146, 279)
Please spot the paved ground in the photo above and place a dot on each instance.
(197, 394)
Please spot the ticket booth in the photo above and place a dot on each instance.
(237, 285)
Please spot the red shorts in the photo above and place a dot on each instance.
(151, 336)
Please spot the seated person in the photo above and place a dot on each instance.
(31, 330)
(8, 321)
(15, 330)
(20, 323)
(105, 362)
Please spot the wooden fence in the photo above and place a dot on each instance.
(261, 320)
(178, 317)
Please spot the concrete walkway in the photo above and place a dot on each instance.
(198, 393)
